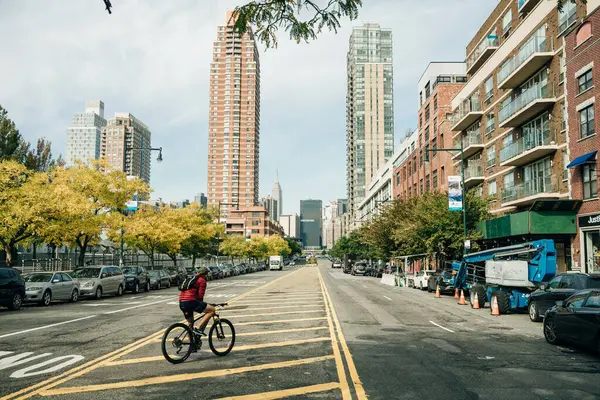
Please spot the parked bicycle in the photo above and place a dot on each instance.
(180, 340)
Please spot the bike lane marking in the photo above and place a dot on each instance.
(279, 394)
(83, 369)
(47, 326)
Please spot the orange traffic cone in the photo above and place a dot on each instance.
(495, 308)
(462, 300)
(476, 302)
(456, 296)
(437, 292)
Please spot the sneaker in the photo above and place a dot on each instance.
(199, 332)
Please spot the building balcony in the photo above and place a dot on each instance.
(471, 144)
(474, 174)
(528, 148)
(532, 56)
(480, 55)
(527, 105)
(527, 192)
(466, 115)
(527, 5)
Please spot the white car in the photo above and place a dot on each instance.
(421, 278)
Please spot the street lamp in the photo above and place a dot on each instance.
(124, 212)
(464, 195)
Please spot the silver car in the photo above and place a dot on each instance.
(100, 280)
(43, 287)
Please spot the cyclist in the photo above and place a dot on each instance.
(192, 299)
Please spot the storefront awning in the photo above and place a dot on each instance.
(582, 159)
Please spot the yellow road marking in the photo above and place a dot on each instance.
(275, 313)
(181, 377)
(235, 349)
(278, 394)
(270, 308)
(315, 328)
(97, 362)
(284, 296)
(281, 320)
(339, 363)
(360, 390)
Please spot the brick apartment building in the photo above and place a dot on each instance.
(582, 60)
(438, 85)
(252, 221)
(511, 117)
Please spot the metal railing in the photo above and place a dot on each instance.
(529, 141)
(531, 187)
(538, 91)
(536, 44)
(482, 47)
(468, 106)
(473, 170)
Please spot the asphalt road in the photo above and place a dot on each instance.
(305, 332)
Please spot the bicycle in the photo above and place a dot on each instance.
(189, 339)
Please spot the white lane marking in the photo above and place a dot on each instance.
(47, 326)
(19, 359)
(173, 303)
(33, 370)
(387, 298)
(132, 307)
(443, 327)
(111, 304)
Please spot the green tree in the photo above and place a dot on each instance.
(294, 246)
(12, 145)
(40, 158)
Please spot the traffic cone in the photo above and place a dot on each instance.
(462, 300)
(437, 292)
(456, 296)
(495, 308)
(476, 302)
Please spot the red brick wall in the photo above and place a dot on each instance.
(577, 57)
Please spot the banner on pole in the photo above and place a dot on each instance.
(455, 194)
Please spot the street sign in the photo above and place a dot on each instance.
(455, 194)
(468, 244)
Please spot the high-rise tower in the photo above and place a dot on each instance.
(277, 194)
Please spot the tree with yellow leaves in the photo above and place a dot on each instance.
(278, 246)
(234, 246)
(203, 232)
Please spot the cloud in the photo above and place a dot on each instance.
(151, 58)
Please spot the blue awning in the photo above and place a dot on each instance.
(582, 159)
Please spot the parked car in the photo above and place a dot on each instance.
(159, 279)
(176, 274)
(432, 281)
(575, 320)
(43, 287)
(558, 289)
(371, 270)
(97, 281)
(136, 278)
(360, 268)
(215, 272)
(421, 278)
(336, 264)
(347, 267)
(12, 288)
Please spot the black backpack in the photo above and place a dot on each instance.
(188, 283)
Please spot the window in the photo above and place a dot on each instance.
(555, 282)
(491, 156)
(593, 301)
(492, 188)
(568, 16)
(563, 113)
(583, 33)
(434, 147)
(421, 186)
(427, 113)
(461, 79)
(576, 301)
(427, 187)
(435, 102)
(585, 81)
(489, 89)
(586, 121)
(563, 67)
(443, 176)
(435, 179)
(590, 182)
(490, 124)
(506, 23)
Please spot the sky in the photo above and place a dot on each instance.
(151, 58)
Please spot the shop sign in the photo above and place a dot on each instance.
(589, 220)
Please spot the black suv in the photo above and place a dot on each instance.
(136, 278)
(176, 274)
(12, 288)
(559, 288)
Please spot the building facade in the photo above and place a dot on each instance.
(427, 169)
(125, 145)
(201, 199)
(272, 206)
(582, 62)
(234, 120)
(310, 223)
(369, 108)
(85, 133)
(291, 225)
(277, 194)
(511, 120)
(250, 221)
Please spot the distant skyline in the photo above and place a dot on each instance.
(157, 68)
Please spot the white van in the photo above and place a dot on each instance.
(275, 263)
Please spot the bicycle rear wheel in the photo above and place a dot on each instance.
(221, 337)
(177, 343)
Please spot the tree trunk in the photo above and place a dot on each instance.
(193, 260)
(34, 251)
(8, 249)
(82, 251)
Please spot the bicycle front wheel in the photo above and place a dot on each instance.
(221, 337)
(177, 343)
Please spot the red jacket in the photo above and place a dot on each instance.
(195, 293)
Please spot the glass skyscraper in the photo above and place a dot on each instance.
(310, 223)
